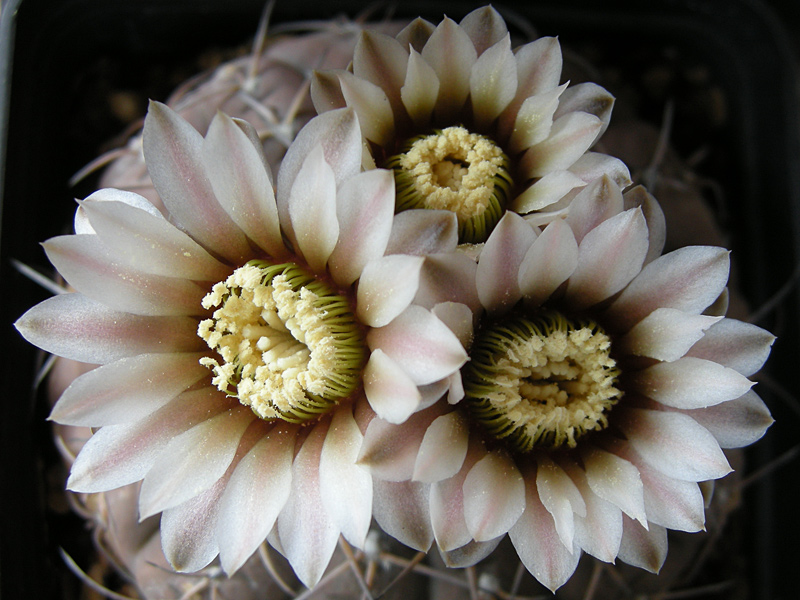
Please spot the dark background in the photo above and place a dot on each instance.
(60, 61)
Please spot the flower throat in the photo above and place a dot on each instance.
(290, 346)
(541, 381)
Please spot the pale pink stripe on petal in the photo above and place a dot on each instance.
(451, 53)
(381, 60)
(448, 277)
(127, 389)
(600, 200)
(674, 444)
(737, 423)
(665, 334)
(549, 262)
(500, 259)
(656, 222)
(402, 511)
(422, 232)
(494, 496)
(387, 286)
(78, 328)
(485, 27)
(735, 344)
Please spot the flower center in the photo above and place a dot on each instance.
(454, 170)
(542, 381)
(291, 348)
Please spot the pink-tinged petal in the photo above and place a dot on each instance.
(493, 82)
(656, 223)
(599, 532)
(121, 454)
(615, 480)
(307, 533)
(193, 461)
(485, 27)
(387, 286)
(326, 92)
(338, 133)
(597, 202)
(459, 318)
(390, 451)
(364, 209)
(534, 120)
(415, 35)
(390, 391)
(345, 487)
(127, 389)
(255, 495)
(188, 531)
(312, 210)
(494, 496)
(570, 136)
(451, 53)
(447, 503)
(689, 383)
(538, 544)
(240, 176)
(560, 496)
(422, 232)
(420, 90)
(546, 191)
(688, 279)
(643, 548)
(82, 225)
(590, 98)
(735, 344)
(469, 554)
(448, 277)
(402, 510)
(548, 263)
(593, 165)
(421, 344)
(173, 153)
(674, 444)
(500, 259)
(371, 105)
(75, 327)
(665, 334)
(151, 244)
(538, 70)
(381, 60)
(449, 431)
(672, 503)
(88, 265)
(737, 423)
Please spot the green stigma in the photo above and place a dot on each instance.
(290, 346)
(541, 381)
(454, 170)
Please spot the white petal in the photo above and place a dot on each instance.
(665, 334)
(451, 53)
(615, 480)
(381, 60)
(674, 444)
(447, 505)
(448, 277)
(689, 383)
(402, 510)
(593, 165)
(570, 136)
(82, 225)
(735, 344)
(609, 257)
(548, 263)
(737, 423)
(371, 105)
(545, 191)
(598, 201)
(485, 27)
(420, 89)
(75, 327)
(590, 98)
(688, 279)
(535, 119)
(387, 286)
(643, 548)
(390, 391)
(364, 209)
(255, 495)
(469, 554)
(307, 533)
(494, 496)
(493, 82)
(448, 432)
(560, 497)
(128, 389)
(500, 259)
(672, 503)
(422, 232)
(421, 344)
(172, 151)
(312, 210)
(656, 223)
(193, 461)
(345, 487)
(538, 544)
(459, 318)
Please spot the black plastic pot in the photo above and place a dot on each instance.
(59, 59)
